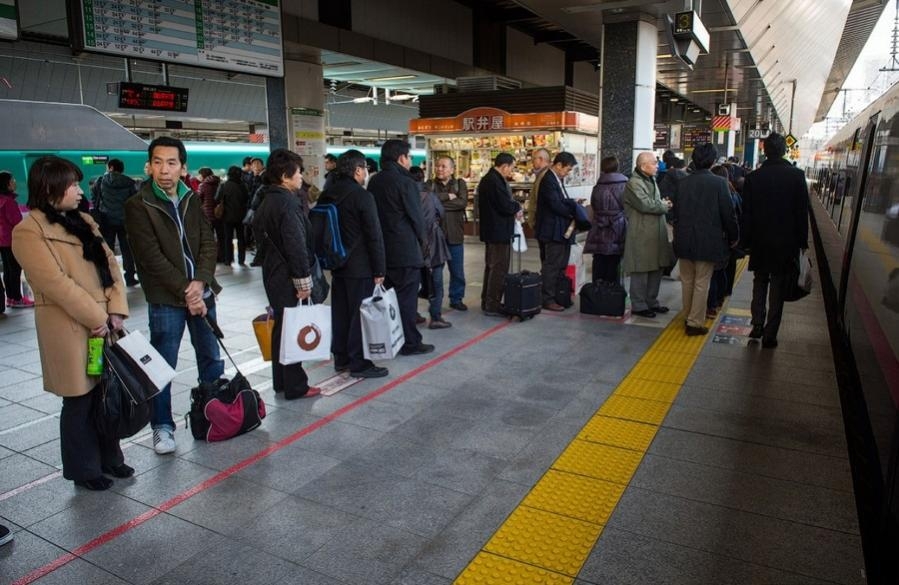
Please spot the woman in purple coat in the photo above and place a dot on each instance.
(606, 238)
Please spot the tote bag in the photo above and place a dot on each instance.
(382, 329)
(142, 370)
(306, 334)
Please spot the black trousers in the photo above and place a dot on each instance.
(218, 226)
(233, 230)
(290, 379)
(554, 262)
(111, 233)
(770, 285)
(605, 267)
(12, 275)
(406, 281)
(347, 295)
(84, 451)
(496, 267)
(731, 272)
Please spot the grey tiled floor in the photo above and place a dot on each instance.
(746, 482)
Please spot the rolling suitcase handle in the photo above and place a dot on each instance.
(511, 256)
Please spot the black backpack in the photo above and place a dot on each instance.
(326, 241)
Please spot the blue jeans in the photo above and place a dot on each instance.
(166, 330)
(457, 273)
(435, 302)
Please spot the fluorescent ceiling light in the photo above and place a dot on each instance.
(392, 78)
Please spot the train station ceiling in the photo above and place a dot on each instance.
(770, 57)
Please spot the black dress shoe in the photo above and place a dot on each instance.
(769, 342)
(371, 372)
(460, 306)
(340, 368)
(98, 484)
(757, 332)
(661, 309)
(696, 330)
(416, 349)
(121, 471)
(645, 313)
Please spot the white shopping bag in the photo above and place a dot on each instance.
(143, 357)
(305, 334)
(382, 328)
(519, 243)
(805, 272)
(577, 268)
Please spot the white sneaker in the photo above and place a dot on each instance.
(164, 440)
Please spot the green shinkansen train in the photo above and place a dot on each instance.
(89, 139)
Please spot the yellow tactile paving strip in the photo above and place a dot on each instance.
(548, 537)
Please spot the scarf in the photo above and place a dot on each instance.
(92, 244)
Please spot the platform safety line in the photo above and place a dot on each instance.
(225, 474)
(555, 527)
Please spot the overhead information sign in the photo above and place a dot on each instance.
(790, 140)
(9, 30)
(153, 97)
(236, 35)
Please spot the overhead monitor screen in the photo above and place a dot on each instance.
(153, 97)
(235, 35)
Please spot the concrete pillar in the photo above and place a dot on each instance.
(627, 88)
(305, 115)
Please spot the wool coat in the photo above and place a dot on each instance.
(646, 246)
(69, 299)
(609, 224)
(496, 208)
(775, 216)
(705, 223)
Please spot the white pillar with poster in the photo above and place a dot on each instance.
(305, 113)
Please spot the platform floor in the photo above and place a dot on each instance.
(566, 449)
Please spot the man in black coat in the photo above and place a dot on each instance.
(365, 266)
(555, 212)
(403, 225)
(774, 229)
(497, 211)
(705, 227)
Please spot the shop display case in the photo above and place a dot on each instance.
(474, 139)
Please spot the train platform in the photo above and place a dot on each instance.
(564, 449)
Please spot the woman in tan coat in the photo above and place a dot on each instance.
(78, 293)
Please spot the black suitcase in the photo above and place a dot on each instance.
(603, 298)
(563, 291)
(522, 293)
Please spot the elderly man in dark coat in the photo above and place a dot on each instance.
(774, 229)
(403, 225)
(705, 227)
(646, 247)
(496, 211)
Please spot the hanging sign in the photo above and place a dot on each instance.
(483, 120)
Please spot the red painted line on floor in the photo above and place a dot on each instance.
(222, 475)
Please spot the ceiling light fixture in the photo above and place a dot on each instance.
(392, 78)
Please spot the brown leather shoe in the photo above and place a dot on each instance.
(553, 307)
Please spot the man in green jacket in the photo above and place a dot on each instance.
(646, 246)
(453, 193)
(175, 252)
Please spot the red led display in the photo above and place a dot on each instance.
(138, 96)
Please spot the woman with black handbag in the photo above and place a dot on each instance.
(284, 244)
(78, 294)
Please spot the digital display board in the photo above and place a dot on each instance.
(139, 96)
(235, 35)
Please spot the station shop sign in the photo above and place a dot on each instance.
(482, 120)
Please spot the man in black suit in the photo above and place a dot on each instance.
(555, 212)
(774, 229)
(403, 227)
(497, 211)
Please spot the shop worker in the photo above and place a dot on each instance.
(174, 250)
(555, 212)
(403, 226)
(497, 211)
(453, 193)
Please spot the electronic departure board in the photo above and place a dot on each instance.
(152, 97)
(237, 35)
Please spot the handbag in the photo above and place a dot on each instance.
(142, 371)
(225, 408)
(305, 334)
(427, 289)
(116, 413)
(263, 325)
(219, 210)
(382, 330)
